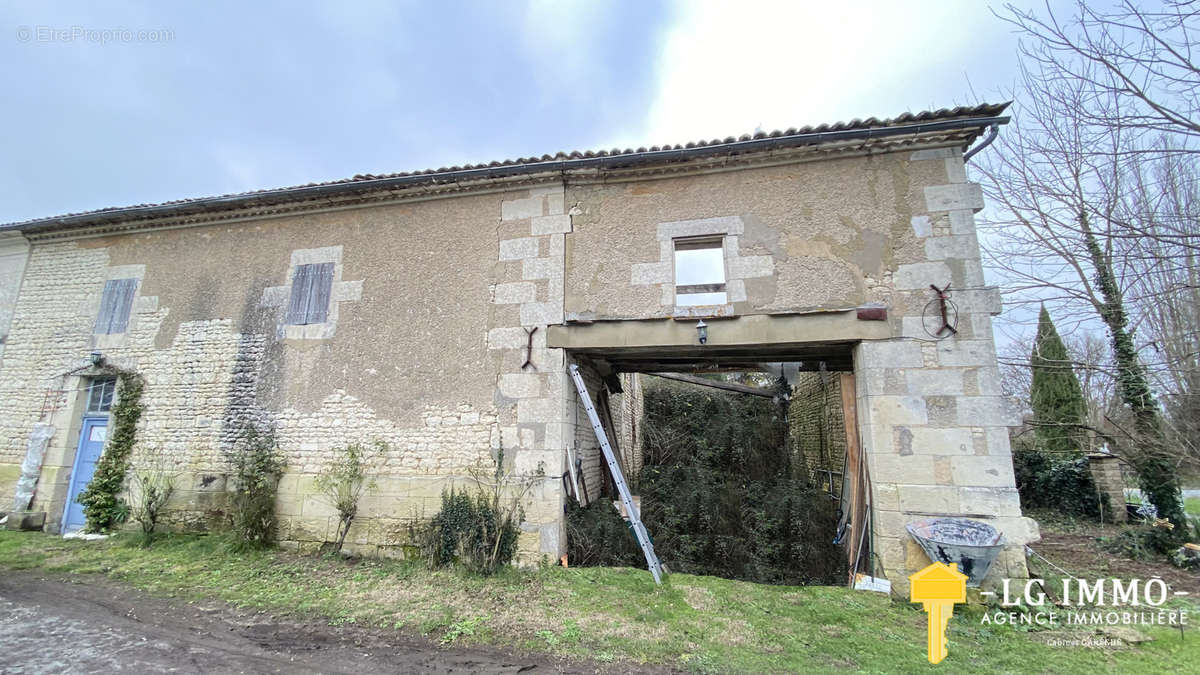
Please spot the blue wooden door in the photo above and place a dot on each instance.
(91, 444)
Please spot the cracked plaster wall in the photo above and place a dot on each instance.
(430, 349)
(836, 234)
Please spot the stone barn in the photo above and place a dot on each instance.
(438, 311)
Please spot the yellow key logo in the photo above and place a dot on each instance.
(938, 587)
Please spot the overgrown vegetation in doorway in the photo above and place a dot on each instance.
(102, 506)
(597, 536)
(722, 496)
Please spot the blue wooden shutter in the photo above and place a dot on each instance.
(298, 303)
(318, 299)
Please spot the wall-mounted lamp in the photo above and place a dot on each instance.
(97, 359)
(702, 330)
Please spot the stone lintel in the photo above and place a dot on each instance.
(760, 329)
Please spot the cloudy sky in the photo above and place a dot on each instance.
(146, 102)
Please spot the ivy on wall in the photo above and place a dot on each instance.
(102, 506)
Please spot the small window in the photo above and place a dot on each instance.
(700, 271)
(115, 305)
(100, 394)
(310, 294)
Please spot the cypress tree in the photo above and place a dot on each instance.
(1059, 409)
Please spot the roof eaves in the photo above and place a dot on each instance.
(978, 118)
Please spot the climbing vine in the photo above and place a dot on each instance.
(102, 506)
(1157, 471)
(256, 464)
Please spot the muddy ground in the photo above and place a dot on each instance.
(93, 625)
(1081, 554)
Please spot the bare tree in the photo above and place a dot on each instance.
(1106, 125)
(1137, 57)
(1166, 296)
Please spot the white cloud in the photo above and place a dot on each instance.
(557, 35)
(728, 68)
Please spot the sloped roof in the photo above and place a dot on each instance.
(963, 118)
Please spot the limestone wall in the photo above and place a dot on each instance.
(628, 415)
(423, 350)
(14, 251)
(436, 340)
(797, 237)
(932, 418)
(812, 239)
(817, 430)
(1106, 471)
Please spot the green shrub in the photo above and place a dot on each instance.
(343, 482)
(150, 487)
(1052, 482)
(478, 528)
(686, 424)
(470, 529)
(102, 507)
(597, 535)
(256, 465)
(1184, 559)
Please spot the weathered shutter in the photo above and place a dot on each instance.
(125, 289)
(115, 306)
(298, 303)
(107, 305)
(318, 299)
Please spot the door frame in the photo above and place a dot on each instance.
(85, 425)
(856, 470)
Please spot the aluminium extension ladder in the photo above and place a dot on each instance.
(635, 518)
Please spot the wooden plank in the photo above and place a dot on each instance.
(124, 305)
(713, 365)
(699, 243)
(856, 501)
(321, 289)
(108, 305)
(298, 302)
(728, 386)
(689, 289)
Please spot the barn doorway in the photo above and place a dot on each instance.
(745, 462)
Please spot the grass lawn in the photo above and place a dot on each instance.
(609, 615)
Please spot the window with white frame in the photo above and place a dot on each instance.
(115, 305)
(100, 395)
(311, 287)
(700, 271)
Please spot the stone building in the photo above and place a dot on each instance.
(438, 311)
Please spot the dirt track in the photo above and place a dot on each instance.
(89, 625)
